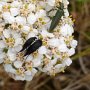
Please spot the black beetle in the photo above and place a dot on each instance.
(33, 47)
(28, 43)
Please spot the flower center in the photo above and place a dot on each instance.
(10, 42)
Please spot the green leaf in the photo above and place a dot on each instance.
(57, 17)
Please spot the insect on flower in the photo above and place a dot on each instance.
(31, 45)
(57, 18)
(28, 43)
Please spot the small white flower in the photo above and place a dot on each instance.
(62, 48)
(6, 33)
(66, 30)
(34, 71)
(26, 29)
(61, 40)
(47, 68)
(28, 72)
(20, 20)
(52, 13)
(42, 4)
(22, 78)
(36, 62)
(51, 2)
(1, 7)
(31, 34)
(9, 68)
(67, 62)
(14, 11)
(31, 7)
(18, 48)
(6, 15)
(66, 13)
(11, 54)
(35, 31)
(46, 20)
(15, 35)
(71, 51)
(41, 13)
(16, 4)
(2, 56)
(11, 19)
(54, 42)
(28, 77)
(58, 67)
(18, 64)
(73, 43)
(18, 41)
(65, 2)
(42, 50)
(2, 44)
(54, 61)
(48, 7)
(31, 19)
(45, 33)
(29, 58)
(8, 18)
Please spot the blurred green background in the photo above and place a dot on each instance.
(77, 76)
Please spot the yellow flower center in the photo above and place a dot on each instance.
(10, 42)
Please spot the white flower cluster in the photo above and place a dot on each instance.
(23, 19)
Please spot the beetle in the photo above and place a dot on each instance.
(28, 43)
(31, 45)
(57, 17)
